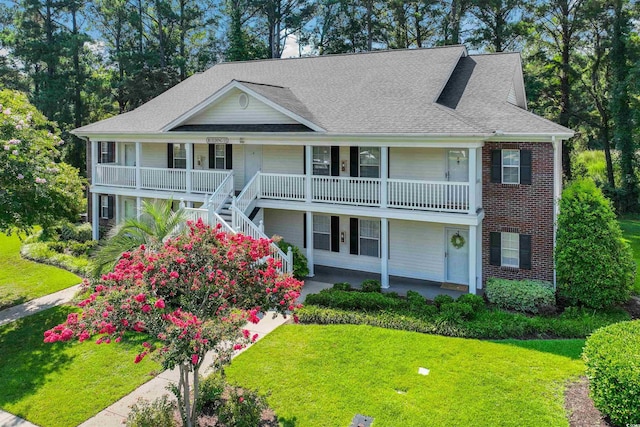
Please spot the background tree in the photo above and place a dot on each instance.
(192, 296)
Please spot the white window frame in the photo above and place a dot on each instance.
(104, 207)
(217, 157)
(319, 220)
(321, 160)
(509, 243)
(505, 155)
(176, 148)
(365, 165)
(361, 237)
(104, 152)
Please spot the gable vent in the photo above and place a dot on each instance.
(243, 100)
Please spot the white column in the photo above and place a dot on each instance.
(189, 204)
(384, 252)
(479, 256)
(473, 259)
(309, 167)
(94, 160)
(95, 218)
(473, 177)
(116, 208)
(384, 173)
(189, 150)
(138, 165)
(310, 241)
(138, 206)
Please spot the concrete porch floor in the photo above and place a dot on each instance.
(325, 277)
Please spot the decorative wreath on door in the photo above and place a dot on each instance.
(457, 241)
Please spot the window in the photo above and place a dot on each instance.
(322, 161)
(369, 237)
(369, 163)
(106, 207)
(510, 166)
(220, 157)
(180, 156)
(107, 152)
(322, 232)
(510, 250)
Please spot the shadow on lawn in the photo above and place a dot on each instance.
(571, 348)
(286, 422)
(10, 300)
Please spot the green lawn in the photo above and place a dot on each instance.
(324, 375)
(63, 384)
(631, 231)
(22, 280)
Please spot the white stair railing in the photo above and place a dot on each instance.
(224, 190)
(250, 193)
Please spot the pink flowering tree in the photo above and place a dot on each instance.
(194, 295)
(35, 189)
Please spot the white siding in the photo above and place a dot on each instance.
(416, 250)
(154, 156)
(201, 154)
(286, 159)
(287, 224)
(238, 166)
(227, 111)
(426, 164)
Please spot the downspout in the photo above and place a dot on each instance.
(557, 188)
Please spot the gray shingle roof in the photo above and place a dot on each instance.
(382, 92)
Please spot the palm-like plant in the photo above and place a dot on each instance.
(155, 223)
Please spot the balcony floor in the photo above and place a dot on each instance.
(325, 277)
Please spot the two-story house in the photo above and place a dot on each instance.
(421, 163)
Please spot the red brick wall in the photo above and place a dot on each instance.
(524, 209)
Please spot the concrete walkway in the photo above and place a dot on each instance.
(39, 304)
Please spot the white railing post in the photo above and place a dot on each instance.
(189, 150)
(261, 226)
(182, 205)
(234, 215)
(384, 174)
(258, 185)
(289, 260)
(384, 252)
(473, 177)
(138, 164)
(309, 167)
(95, 217)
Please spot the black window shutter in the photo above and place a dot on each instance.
(525, 252)
(111, 152)
(335, 234)
(525, 167)
(228, 156)
(335, 160)
(212, 156)
(495, 252)
(304, 230)
(304, 160)
(100, 151)
(170, 155)
(388, 162)
(496, 165)
(353, 236)
(354, 161)
(110, 203)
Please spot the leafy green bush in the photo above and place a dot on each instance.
(342, 286)
(529, 296)
(41, 252)
(158, 413)
(456, 312)
(441, 299)
(300, 263)
(84, 232)
(415, 300)
(367, 301)
(612, 357)
(475, 301)
(595, 266)
(371, 285)
(211, 390)
(243, 408)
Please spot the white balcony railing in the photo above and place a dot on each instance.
(346, 190)
(202, 181)
(282, 187)
(428, 195)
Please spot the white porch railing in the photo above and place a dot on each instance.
(208, 217)
(205, 181)
(428, 195)
(110, 174)
(224, 190)
(163, 179)
(282, 187)
(346, 190)
(250, 192)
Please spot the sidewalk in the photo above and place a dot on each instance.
(39, 304)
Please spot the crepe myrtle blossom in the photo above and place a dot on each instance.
(194, 295)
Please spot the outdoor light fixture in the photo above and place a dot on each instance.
(344, 168)
(342, 236)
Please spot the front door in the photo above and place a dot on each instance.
(129, 208)
(129, 155)
(252, 161)
(458, 165)
(457, 256)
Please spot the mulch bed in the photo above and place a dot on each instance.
(579, 406)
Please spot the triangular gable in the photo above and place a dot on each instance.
(245, 103)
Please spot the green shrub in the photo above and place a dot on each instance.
(475, 301)
(243, 408)
(415, 300)
(158, 413)
(612, 357)
(529, 296)
(441, 299)
(68, 232)
(41, 252)
(82, 248)
(211, 390)
(300, 263)
(594, 265)
(367, 301)
(84, 232)
(456, 311)
(371, 285)
(342, 286)
(57, 246)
